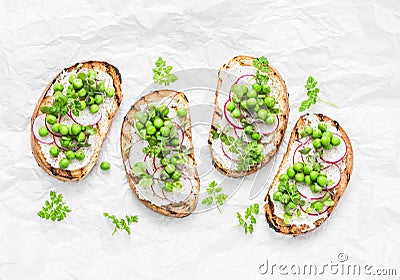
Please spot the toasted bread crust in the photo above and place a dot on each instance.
(277, 223)
(282, 100)
(179, 209)
(45, 99)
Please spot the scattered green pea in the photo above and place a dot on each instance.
(64, 163)
(54, 151)
(105, 165)
(70, 154)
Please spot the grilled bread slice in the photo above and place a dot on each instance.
(79, 169)
(342, 159)
(235, 68)
(178, 203)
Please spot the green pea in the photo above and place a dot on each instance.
(43, 131)
(283, 177)
(292, 188)
(277, 196)
(165, 131)
(325, 141)
(236, 99)
(291, 205)
(72, 77)
(257, 87)
(307, 180)
(327, 134)
(56, 127)
(260, 102)
(269, 101)
(282, 188)
(110, 92)
(139, 125)
(296, 198)
(238, 90)
(314, 175)
(76, 129)
(58, 87)
(77, 83)
(82, 76)
(181, 112)
(256, 108)
(100, 86)
(64, 163)
(98, 99)
(243, 104)
(256, 136)
(105, 165)
(91, 74)
(248, 129)
(322, 181)
(317, 143)
(252, 94)
(158, 122)
(290, 172)
(285, 198)
(335, 141)
(79, 155)
(266, 89)
(322, 126)
(70, 154)
(164, 161)
(251, 102)
(164, 175)
(230, 106)
(308, 130)
(54, 151)
(141, 117)
(151, 130)
(317, 133)
(262, 114)
(329, 147)
(307, 169)
(168, 187)
(270, 119)
(51, 119)
(94, 108)
(299, 177)
(82, 105)
(176, 175)
(82, 92)
(170, 168)
(298, 166)
(81, 137)
(174, 142)
(65, 141)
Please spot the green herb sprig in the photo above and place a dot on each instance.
(249, 218)
(55, 209)
(216, 195)
(122, 224)
(312, 93)
(162, 73)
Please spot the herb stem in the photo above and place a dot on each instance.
(328, 103)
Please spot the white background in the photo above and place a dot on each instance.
(351, 47)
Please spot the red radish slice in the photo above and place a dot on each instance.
(86, 118)
(333, 173)
(57, 141)
(183, 194)
(39, 122)
(157, 188)
(231, 120)
(337, 153)
(239, 80)
(297, 156)
(305, 192)
(267, 129)
(239, 133)
(315, 214)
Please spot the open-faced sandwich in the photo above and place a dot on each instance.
(312, 177)
(157, 150)
(72, 118)
(250, 116)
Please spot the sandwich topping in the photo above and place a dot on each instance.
(251, 118)
(68, 127)
(165, 168)
(307, 187)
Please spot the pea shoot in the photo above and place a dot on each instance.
(54, 209)
(215, 195)
(312, 94)
(162, 73)
(248, 220)
(122, 223)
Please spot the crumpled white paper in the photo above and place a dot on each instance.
(351, 48)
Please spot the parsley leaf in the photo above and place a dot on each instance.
(122, 224)
(55, 209)
(248, 219)
(161, 73)
(215, 195)
(312, 93)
